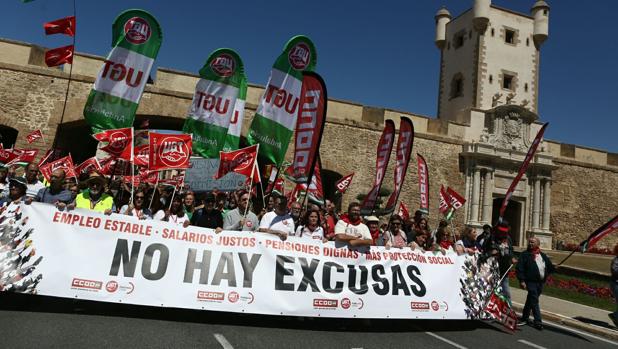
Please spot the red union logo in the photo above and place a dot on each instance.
(233, 297)
(137, 30)
(111, 286)
(86, 284)
(210, 296)
(224, 65)
(118, 141)
(299, 56)
(419, 306)
(346, 303)
(173, 152)
(241, 161)
(325, 303)
(435, 306)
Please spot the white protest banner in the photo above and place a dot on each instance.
(85, 255)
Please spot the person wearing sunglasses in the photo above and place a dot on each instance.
(395, 236)
(137, 208)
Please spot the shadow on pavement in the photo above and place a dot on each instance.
(46, 304)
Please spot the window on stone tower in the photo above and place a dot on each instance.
(509, 36)
(457, 86)
(507, 82)
(526, 87)
(458, 39)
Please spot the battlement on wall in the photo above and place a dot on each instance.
(29, 58)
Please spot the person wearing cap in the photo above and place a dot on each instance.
(54, 194)
(209, 216)
(501, 247)
(32, 179)
(351, 229)
(236, 219)
(377, 238)
(95, 198)
(17, 192)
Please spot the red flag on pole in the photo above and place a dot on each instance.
(385, 145)
(456, 200)
(58, 56)
(25, 156)
(500, 310)
(119, 142)
(445, 201)
(242, 161)
(169, 151)
(140, 156)
(344, 183)
(33, 136)
(522, 169)
(403, 152)
(88, 166)
(65, 163)
(598, 234)
(404, 212)
(61, 26)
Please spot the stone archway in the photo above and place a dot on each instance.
(8, 136)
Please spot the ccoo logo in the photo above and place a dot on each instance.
(224, 65)
(299, 56)
(173, 152)
(137, 30)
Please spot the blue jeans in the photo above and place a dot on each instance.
(613, 285)
(532, 301)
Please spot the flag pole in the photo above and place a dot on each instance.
(154, 190)
(257, 151)
(66, 96)
(132, 165)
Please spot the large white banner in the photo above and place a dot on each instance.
(80, 254)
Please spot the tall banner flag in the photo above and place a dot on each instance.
(214, 102)
(344, 183)
(310, 126)
(115, 96)
(232, 139)
(241, 161)
(404, 151)
(600, 233)
(385, 145)
(423, 183)
(522, 169)
(275, 118)
(169, 151)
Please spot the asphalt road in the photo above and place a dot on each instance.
(47, 322)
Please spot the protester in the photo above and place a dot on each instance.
(350, 228)
(189, 204)
(395, 236)
(420, 227)
(377, 236)
(310, 226)
(278, 222)
(501, 247)
(270, 204)
(444, 239)
(330, 219)
(175, 214)
(295, 209)
(17, 193)
(533, 268)
(4, 171)
(95, 198)
(613, 285)
(420, 242)
(467, 243)
(74, 189)
(209, 216)
(34, 184)
(137, 208)
(55, 193)
(241, 218)
(484, 239)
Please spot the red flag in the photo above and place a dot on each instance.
(169, 151)
(501, 311)
(65, 163)
(134, 181)
(309, 125)
(404, 152)
(445, 201)
(242, 161)
(46, 157)
(24, 156)
(61, 26)
(315, 191)
(404, 212)
(522, 169)
(140, 155)
(456, 200)
(118, 167)
(119, 142)
(423, 183)
(88, 166)
(8, 155)
(385, 145)
(58, 56)
(34, 136)
(279, 186)
(149, 177)
(598, 234)
(344, 183)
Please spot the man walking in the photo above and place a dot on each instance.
(533, 268)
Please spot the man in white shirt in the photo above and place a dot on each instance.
(278, 222)
(34, 185)
(351, 229)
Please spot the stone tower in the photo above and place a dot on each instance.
(489, 57)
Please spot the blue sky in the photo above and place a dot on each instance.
(376, 53)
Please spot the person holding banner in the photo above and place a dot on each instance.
(137, 208)
(350, 228)
(241, 218)
(533, 269)
(94, 198)
(378, 237)
(209, 216)
(278, 222)
(55, 193)
(175, 214)
(395, 236)
(310, 228)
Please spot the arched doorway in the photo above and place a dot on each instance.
(513, 215)
(8, 136)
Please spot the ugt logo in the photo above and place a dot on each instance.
(223, 65)
(173, 152)
(299, 56)
(137, 30)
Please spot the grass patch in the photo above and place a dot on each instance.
(575, 295)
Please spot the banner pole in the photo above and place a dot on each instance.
(494, 289)
(569, 256)
(154, 190)
(244, 216)
(172, 199)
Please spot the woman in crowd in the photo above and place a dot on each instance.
(175, 214)
(419, 243)
(137, 208)
(189, 204)
(395, 236)
(444, 240)
(310, 227)
(467, 243)
(420, 227)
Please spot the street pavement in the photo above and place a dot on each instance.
(47, 322)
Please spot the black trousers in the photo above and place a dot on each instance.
(532, 301)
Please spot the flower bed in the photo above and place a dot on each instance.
(593, 249)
